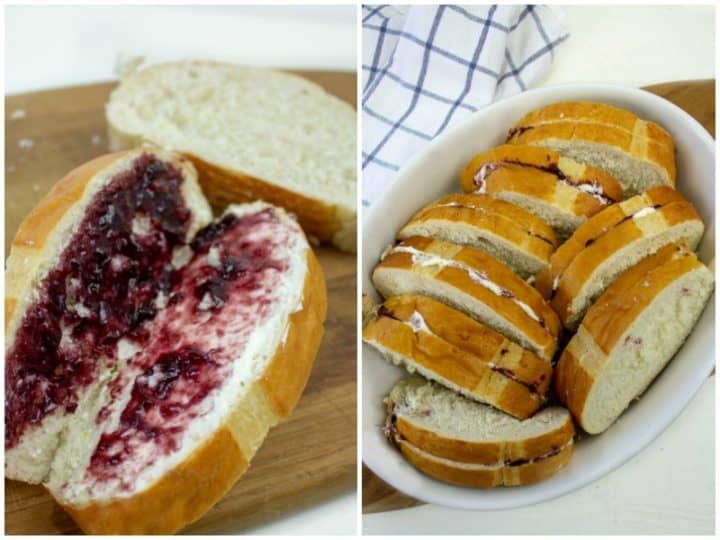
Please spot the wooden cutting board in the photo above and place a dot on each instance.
(697, 98)
(308, 458)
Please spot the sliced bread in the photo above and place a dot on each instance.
(449, 347)
(252, 134)
(630, 333)
(639, 153)
(507, 232)
(560, 191)
(460, 441)
(611, 242)
(473, 282)
(145, 361)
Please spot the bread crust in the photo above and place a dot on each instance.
(489, 453)
(536, 172)
(486, 478)
(597, 113)
(464, 352)
(599, 123)
(185, 493)
(608, 320)
(544, 336)
(319, 220)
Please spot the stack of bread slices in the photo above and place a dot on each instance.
(571, 233)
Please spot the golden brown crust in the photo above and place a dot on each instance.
(185, 493)
(595, 113)
(490, 477)
(536, 172)
(179, 498)
(223, 187)
(545, 333)
(463, 352)
(572, 382)
(610, 318)
(288, 372)
(489, 453)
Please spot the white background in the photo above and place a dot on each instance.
(49, 47)
(669, 487)
(662, 488)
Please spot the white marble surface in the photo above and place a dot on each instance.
(669, 487)
(50, 47)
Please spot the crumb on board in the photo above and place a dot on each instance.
(95, 140)
(36, 187)
(17, 114)
(26, 144)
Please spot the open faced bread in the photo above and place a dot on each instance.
(557, 189)
(630, 333)
(507, 232)
(449, 347)
(639, 153)
(252, 134)
(146, 361)
(611, 242)
(473, 282)
(463, 442)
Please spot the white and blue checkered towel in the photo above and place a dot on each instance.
(427, 67)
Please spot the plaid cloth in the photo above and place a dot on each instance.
(427, 67)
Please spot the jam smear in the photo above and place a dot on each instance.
(102, 288)
(227, 290)
(175, 383)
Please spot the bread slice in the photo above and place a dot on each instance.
(639, 153)
(630, 334)
(170, 367)
(611, 242)
(41, 241)
(448, 347)
(560, 191)
(462, 442)
(507, 232)
(473, 282)
(252, 134)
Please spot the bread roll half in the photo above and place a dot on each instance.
(473, 282)
(611, 242)
(630, 333)
(446, 346)
(462, 442)
(507, 232)
(639, 153)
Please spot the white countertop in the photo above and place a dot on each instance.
(50, 47)
(669, 487)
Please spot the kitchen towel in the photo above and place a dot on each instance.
(427, 67)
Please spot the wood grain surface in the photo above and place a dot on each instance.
(310, 457)
(697, 98)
